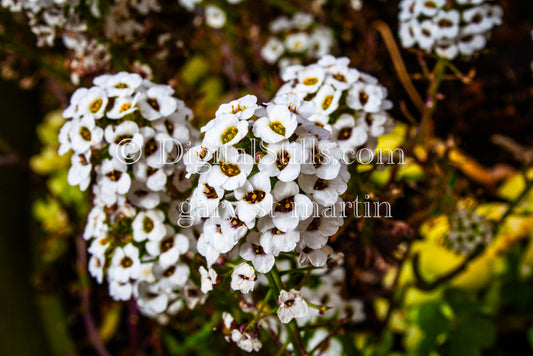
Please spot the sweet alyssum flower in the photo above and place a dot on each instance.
(121, 125)
(291, 305)
(351, 106)
(448, 29)
(296, 39)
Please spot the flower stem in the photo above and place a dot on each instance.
(274, 281)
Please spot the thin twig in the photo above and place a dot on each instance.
(85, 297)
(398, 63)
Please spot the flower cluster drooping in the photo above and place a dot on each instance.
(448, 28)
(350, 105)
(269, 184)
(127, 135)
(296, 39)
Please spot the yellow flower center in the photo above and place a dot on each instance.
(125, 107)
(327, 102)
(310, 81)
(278, 128)
(230, 169)
(95, 106)
(229, 134)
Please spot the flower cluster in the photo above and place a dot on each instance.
(448, 28)
(468, 231)
(268, 177)
(350, 105)
(296, 39)
(127, 135)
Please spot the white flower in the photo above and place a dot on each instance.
(326, 100)
(205, 199)
(407, 33)
(120, 291)
(225, 130)
(242, 108)
(142, 197)
(64, 138)
(121, 84)
(96, 268)
(149, 225)
(169, 249)
(366, 97)
(279, 124)
(243, 278)
(196, 160)
(93, 103)
(114, 178)
(470, 44)
(347, 134)
(125, 264)
(310, 78)
(331, 347)
(341, 77)
(95, 226)
(429, 8)
(302, 21)
(448, 24)
(323, 157)
(172, 277)
(208, 278)
(80, 171)
(207, 249)
(321, 42)
(74, 110)
(232, 169)
(295, 104)
(125, 140)
(316, 257)
(325, 192)
(154, 178)
(280, 24)
(291, 305)
(159, 148)
(274, 240)
(289, 206)
(316, 230)
(297, 42)
(252, 251)
(254, 198)
(150, 299)
(84, 134)
(157, 102)
(214, 16)
(245, 341)
(123, 106)
(272, 50)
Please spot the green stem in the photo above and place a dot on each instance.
(274, 281)
(262, 307)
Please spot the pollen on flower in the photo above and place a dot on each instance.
(210, 192)
(114, 175)
(166, 244)
(326, 103)
(95, 105)
(363, 97)
(230, 169)
(320, 184)
(278, 128)
(85, 133)
(254, 196)
(126, 262)
(121, 86)
(344, 133)
(339, 77)
(148, 224)
(285, 205)
(282, 160)
(229, 134)
(310, 81)
(125, 107)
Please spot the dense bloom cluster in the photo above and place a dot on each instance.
(269, 183)
(297, 39)
(448, 28)
(127, 135)
(351, 106)
(468, 231)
